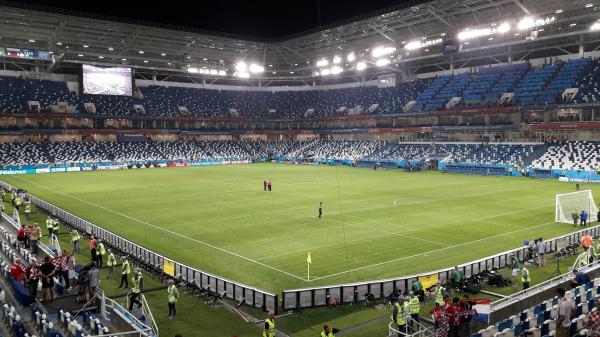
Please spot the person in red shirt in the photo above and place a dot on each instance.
(454, 313)
(21, 235)
(16, 271)
(93, 247)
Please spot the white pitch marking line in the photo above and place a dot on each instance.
(166, 230)
(431, 251)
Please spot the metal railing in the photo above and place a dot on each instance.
(421, 330)
(358, 291)
(231, 289)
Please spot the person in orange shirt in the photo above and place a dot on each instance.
(586, 241)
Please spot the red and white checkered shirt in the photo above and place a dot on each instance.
(593, 323)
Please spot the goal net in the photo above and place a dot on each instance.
(575, 202)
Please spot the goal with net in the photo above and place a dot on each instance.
(575, 202)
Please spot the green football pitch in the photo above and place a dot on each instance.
(376, 224)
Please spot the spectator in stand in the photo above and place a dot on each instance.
(67, 267)
(48, 270)
(579, 278)
(21, 236)
(17, 272)
(93, 279)
(33, 275)
(592, 321)
(565, 308)
(34, 239)
(454, 313)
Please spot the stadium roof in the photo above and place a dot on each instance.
(492, 32)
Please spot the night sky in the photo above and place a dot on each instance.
(260, 19)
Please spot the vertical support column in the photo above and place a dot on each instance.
(581, 46)
(452, 64)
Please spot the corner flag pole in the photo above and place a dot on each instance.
(308, 262)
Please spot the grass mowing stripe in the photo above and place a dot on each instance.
(169, 231)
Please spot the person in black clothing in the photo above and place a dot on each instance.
(264, 184)
(48, 270)
(320, 210)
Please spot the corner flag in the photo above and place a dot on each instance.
(308, 262)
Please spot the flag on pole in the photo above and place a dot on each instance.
(308, 262)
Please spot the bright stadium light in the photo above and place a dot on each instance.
(361, 65)
(255, 68)
(595, 27)
(382, 62)
(381, 51)
(503, 28)
(525, 23)
(241, 67)
(141, 51)
(474, 33)
(243, 75)
(336, 70)
(322, 63)
(316, 73)
(192, 70)
(337, 59)
(351, 57)
(325, 72)
(111, 48)
(213, 72)
(222, 73)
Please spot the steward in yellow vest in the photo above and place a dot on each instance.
(269, 330)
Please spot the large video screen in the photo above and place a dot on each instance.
(107, 81)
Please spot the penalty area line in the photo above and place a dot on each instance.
(167, 230)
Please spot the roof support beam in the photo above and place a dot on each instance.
(440, 18)
(523, 8)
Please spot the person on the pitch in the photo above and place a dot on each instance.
(269, 184)
(320, 210)
(265, 184)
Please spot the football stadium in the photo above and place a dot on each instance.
(320, 168)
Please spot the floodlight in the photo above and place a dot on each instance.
(474, 33)
(111, 48)
(222, 73)
(192, 70)
(336, 70)
(337, 59)
(325, 72)
(241, 67)
(503, 28)
(382, 62)
(316, 73)
(255, 68)
(322, 63)
(413, 45)
(361, 65)
(243, 74)
(595, 26)
(351, 57)
(80, 55)
(141, 51)
(381, 51)
(213, 72)
(525, 23)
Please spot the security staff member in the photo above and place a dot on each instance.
(320, 210)
(414, 306)
(18, 202)
(50, 226)
(398, 316)
(100, 251)
(328, 332)
(27, 210)
(3, 193)
(138, 287)
(125, 271)
(75, 238)
(586, 240)
(111, 262)
(269, 330)
(172, 295)
(439, 293)
(525, 277)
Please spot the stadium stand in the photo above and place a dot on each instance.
(540, 320)
(578, 155)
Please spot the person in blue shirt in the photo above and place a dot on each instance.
(579, 278)
(583, 217)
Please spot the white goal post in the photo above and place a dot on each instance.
(575, 202)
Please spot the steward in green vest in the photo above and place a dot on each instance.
(125, 271)
(138, 287)
(111, 262)
(439, 293)
(76, 238)
(27, 211)
(100, 252)
(55, 226)
(3, 193)
(398, 316)
(172, 295)
(414, 308)
(328, 332)
(269, 329)
(525, 277)
(50, 225)
(18, 203)
(583, 259)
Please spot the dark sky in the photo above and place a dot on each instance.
(251, 18)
